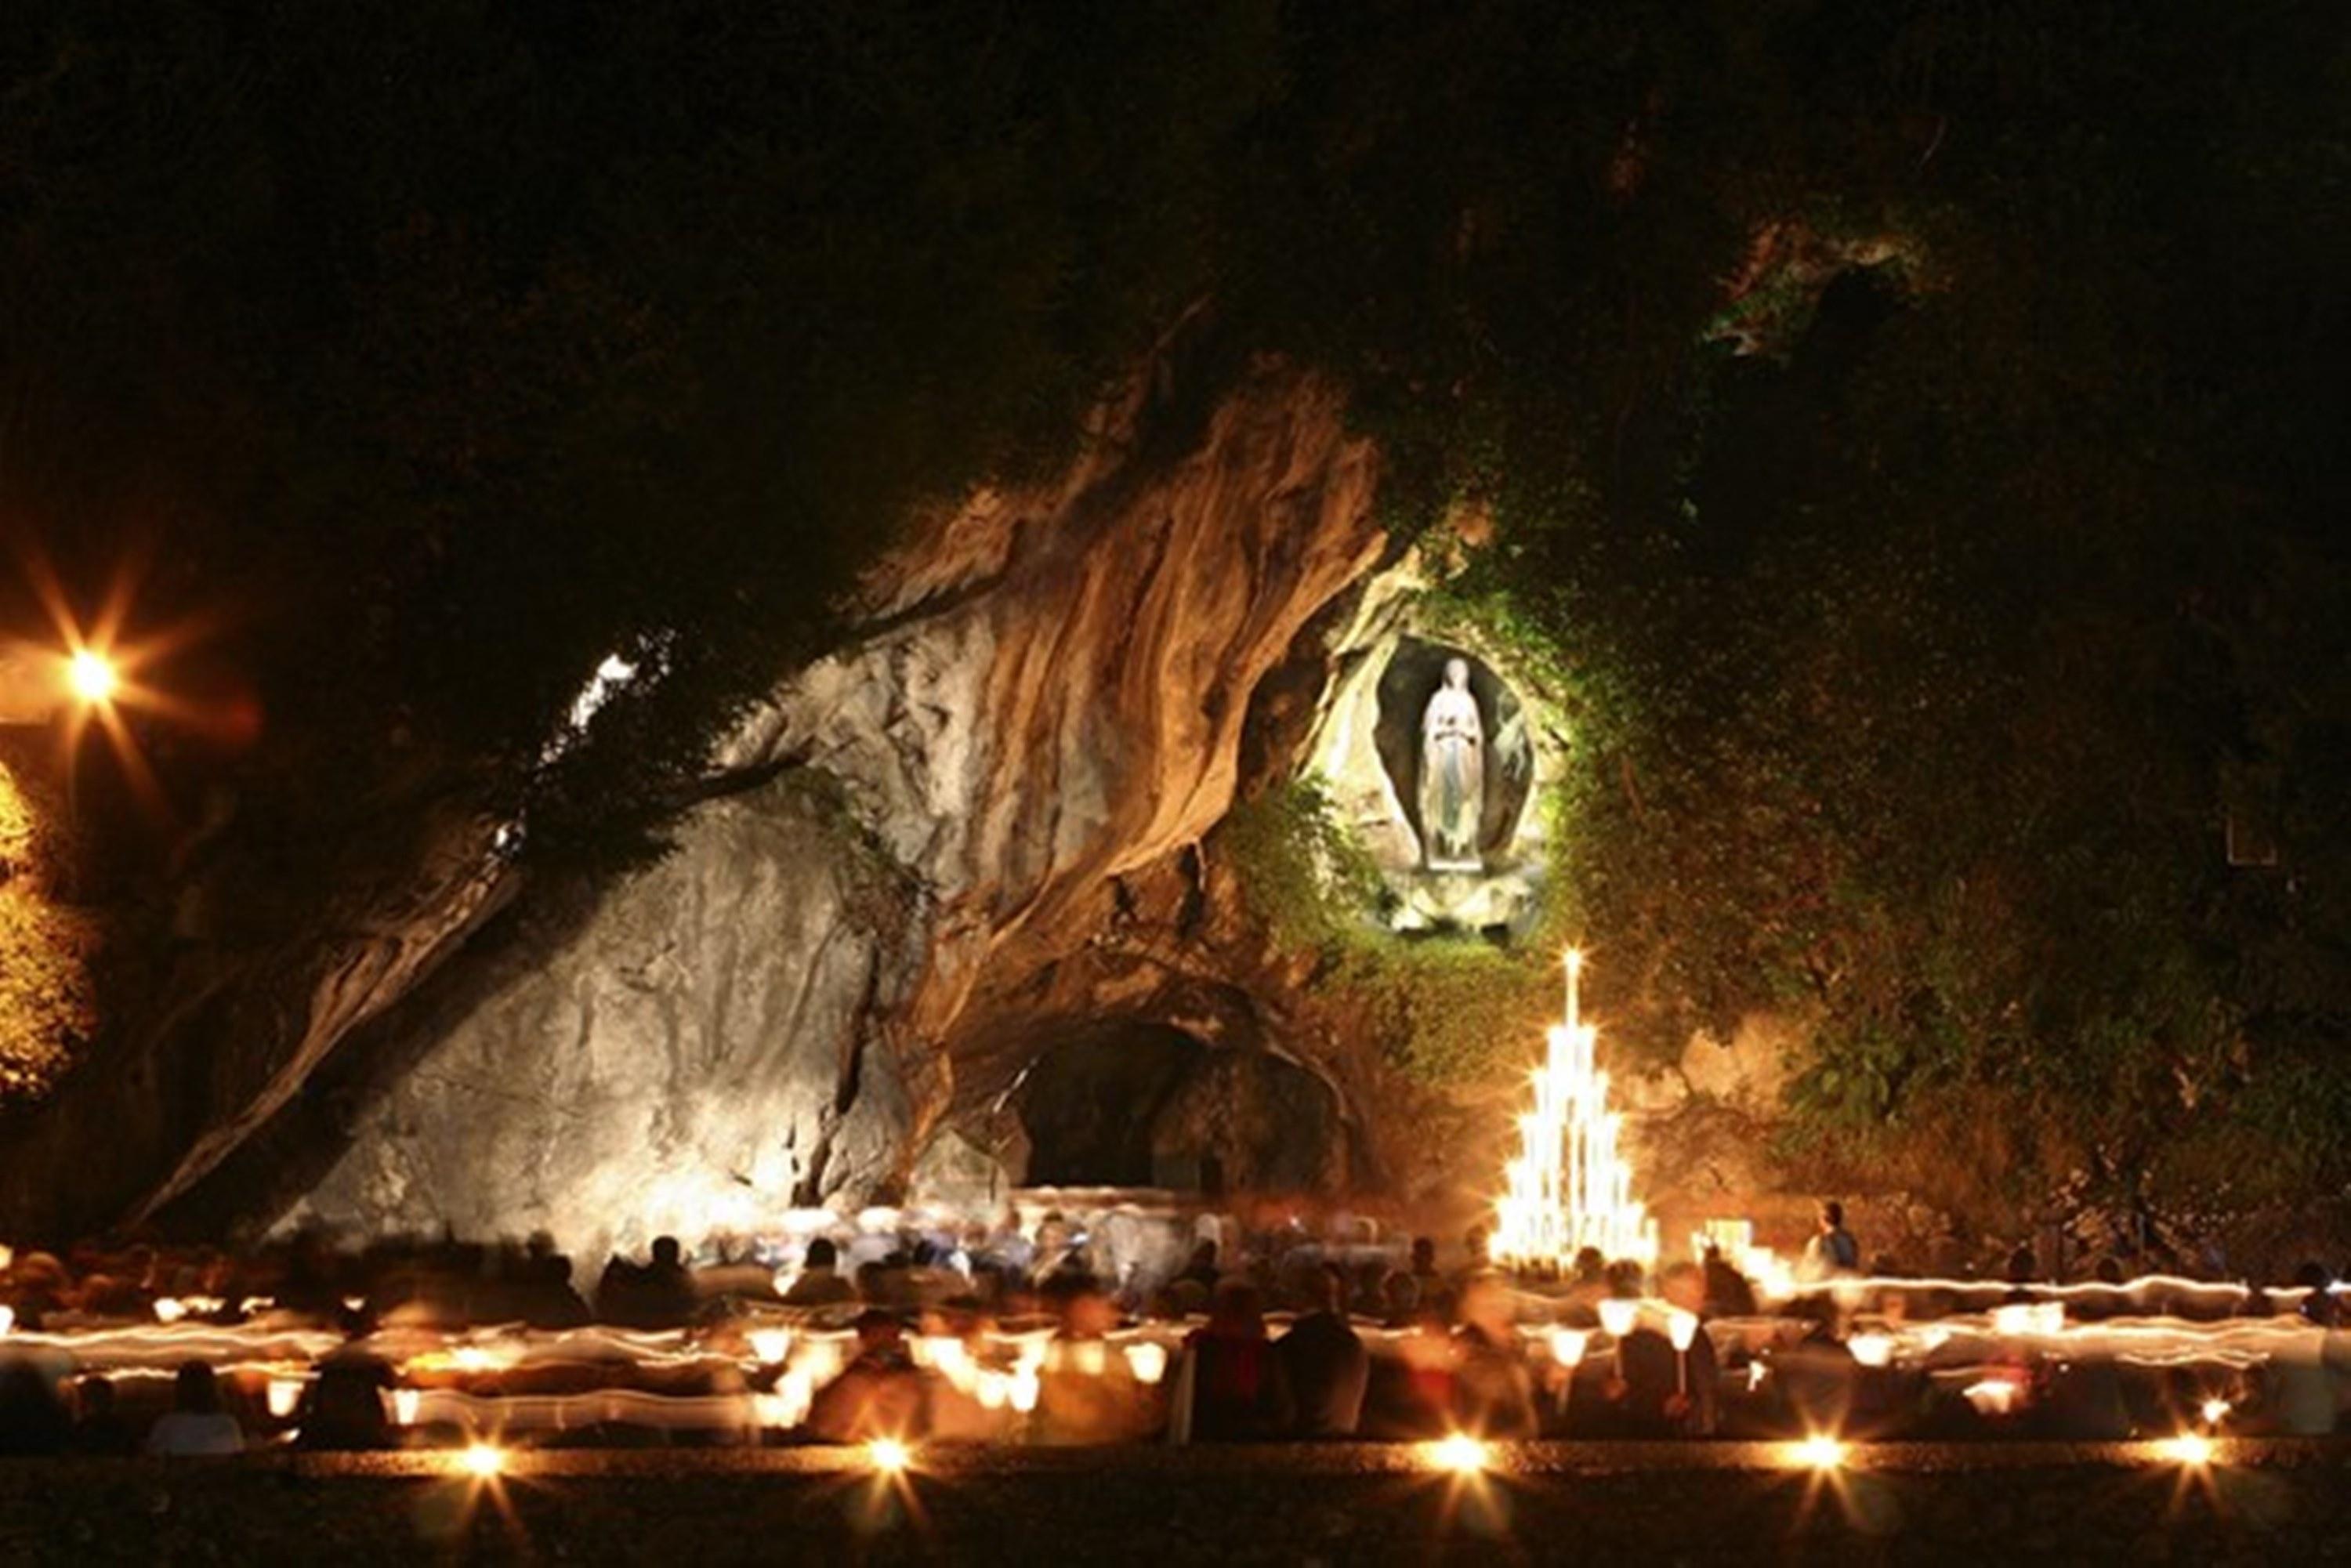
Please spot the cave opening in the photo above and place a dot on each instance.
(1140, 1103)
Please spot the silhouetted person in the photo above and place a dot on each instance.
(1201, 1269)
(2320, 1307)
(33, 1419)
(1239, 1390)
(343, 1407)
(548, 1302)
(195, 1426)
(1728, 1292)
(878, 1395)
(665, 1297)
(1493, 1392)
(1424, 1266)
(819, 1283)
(1325, 1362)
(100, 1430)
(1660, 1392)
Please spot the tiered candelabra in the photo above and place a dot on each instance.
(1571, 1186)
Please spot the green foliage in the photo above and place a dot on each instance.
(1449, 1009)
(1304, 875)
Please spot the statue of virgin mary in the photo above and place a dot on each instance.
(1452, 774)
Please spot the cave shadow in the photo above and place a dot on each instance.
(1131, 1103)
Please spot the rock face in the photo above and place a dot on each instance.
(701, 1048)
(1052, 693)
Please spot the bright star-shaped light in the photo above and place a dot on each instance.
(2190, 1449)
(483, 1461)
(91, 676)
(1817, 1452)
(888, 1455)
(1460, 1453)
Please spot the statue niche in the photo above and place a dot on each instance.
(1453, 742)
(1452, 774)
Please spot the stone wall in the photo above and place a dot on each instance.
(1051, 692)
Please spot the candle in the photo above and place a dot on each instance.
(1681, 1327)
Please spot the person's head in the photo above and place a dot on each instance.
(194, 1389)
(1203, 1256)
(1237, 1311)
(1456, 672)
(665, 1251)
(1424, 1255)
(1324, 1290)
(1684, 1285)
(2109, 1270)
(878, 1329)
(96, 1396)
(822, 1254)
(1591, 1268)
(1475, 1241)
(1402, 1293)
(1832, 1216)
(1624, 1277)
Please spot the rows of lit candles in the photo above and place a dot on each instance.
(1571, 1186)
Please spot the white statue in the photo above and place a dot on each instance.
(1452, 774)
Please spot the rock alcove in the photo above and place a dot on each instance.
(1135, 1103)
(1414, 672)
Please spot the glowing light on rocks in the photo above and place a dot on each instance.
(888, 1455)
(483, 1461)
(170, 1310)
(1571, 1186)
(1872, 1350)
(284, 1394)
(771, 1346)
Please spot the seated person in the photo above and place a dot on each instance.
(1408, 1394)
(819, 1282)
(1238, 1388)
(33, 1419)
(100, 1430)
(343, 1408)
(1088, 1393)
(195, 1426)
(1657, 1391)
(1325, 1361)
(1728, 1292)
(1493, 1392)
(878, 1395)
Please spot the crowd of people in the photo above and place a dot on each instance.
(1267, 1336)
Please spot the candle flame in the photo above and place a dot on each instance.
(1571, 1187)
